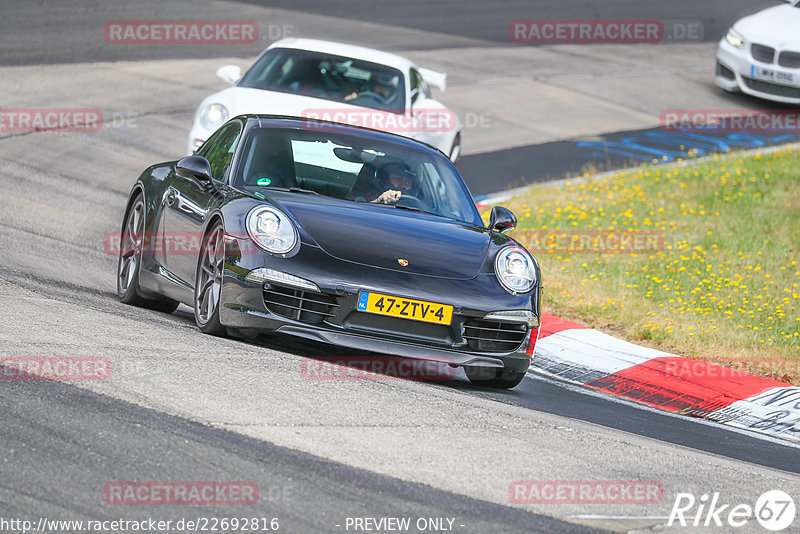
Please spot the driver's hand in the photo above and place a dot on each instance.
(351, 96)
(389, 197)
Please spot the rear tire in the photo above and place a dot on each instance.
(493, 377)
(208, 282)
(130, 262)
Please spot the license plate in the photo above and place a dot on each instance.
(417, 310)
(763, 73)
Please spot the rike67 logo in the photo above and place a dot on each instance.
(774, 510)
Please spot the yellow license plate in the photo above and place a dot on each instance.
(417, 310)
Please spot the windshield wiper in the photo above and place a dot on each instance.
(301, 190)
(291, 190)
(410, 208)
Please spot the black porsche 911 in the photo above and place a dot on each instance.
(337, 234)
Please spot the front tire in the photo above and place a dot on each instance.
(130, 261)
(208, 282)
(493, 377)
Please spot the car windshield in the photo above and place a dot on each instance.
(324, 160)
(321, 75)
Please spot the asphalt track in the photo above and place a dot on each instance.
(67, 32)
(489, 20)
(545, 395)
(182, 406)
(84, 440)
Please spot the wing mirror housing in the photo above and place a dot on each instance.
(196, 167)
(501, 219)
(229, 73)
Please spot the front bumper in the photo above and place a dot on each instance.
(734, 72)
(243, 307)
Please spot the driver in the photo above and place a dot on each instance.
(392, 181)
(382, 85)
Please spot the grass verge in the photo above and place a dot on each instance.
(698, 259)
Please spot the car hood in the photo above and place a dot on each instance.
(381, 236)
(774, 26)
(246, 100)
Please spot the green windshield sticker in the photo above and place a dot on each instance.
(259, 195)
(263, 181)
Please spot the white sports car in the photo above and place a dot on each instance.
(760, 55)
(315, 79)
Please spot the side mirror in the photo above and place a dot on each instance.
(501, 219)
(229, 73)
(196, 167)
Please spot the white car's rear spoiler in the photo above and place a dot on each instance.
(437, 79)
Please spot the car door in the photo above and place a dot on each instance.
(186, 204)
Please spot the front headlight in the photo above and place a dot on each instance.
(515, 269)
(734, 38)
(271, 230)
(213, 116)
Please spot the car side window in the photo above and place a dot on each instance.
(415, 81)
(426, 90)
(219, 151)
(438, 191)
(203, 150)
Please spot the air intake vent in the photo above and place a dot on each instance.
(725, 72)
(771, 88)
(762, 53)
(306, 306)
(492, 336)
(790, 60)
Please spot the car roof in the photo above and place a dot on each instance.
(346, 50)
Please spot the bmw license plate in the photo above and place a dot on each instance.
(417, 310)
(763, 73)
